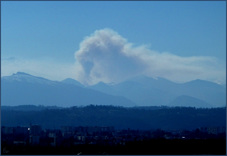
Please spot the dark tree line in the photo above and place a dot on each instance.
(119, 117)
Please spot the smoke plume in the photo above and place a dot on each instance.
(108, 57)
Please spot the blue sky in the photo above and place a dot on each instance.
(35, 34)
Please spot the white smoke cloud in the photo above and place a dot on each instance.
(106, 56)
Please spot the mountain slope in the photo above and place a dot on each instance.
(209, 92)
(72, 81)
(188, 101)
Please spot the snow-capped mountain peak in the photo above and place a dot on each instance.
(24, 77)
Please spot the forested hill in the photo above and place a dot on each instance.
(166, 118)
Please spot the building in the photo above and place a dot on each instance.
(7, 130)
(21, 130)
(35, 130)
(213, 130)
(34, 134)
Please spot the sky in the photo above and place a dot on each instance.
(113, 41)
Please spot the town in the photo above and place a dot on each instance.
(107, 140)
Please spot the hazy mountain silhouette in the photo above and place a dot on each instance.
(25, 89)
(150, 92)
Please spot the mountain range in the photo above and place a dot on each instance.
(25, 89)
(148, 91)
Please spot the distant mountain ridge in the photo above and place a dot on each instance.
(23, 89)
(149, 91)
